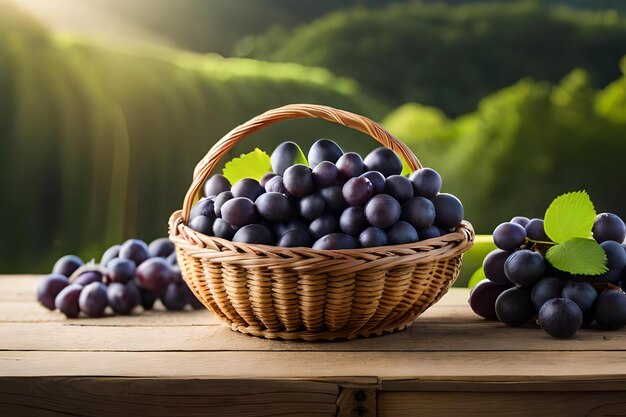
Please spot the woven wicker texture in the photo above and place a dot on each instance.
(309, 294)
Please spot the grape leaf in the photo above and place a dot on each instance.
(251, 165)
(406, 169)
(570, 216)
(578, 256)
(476, 277)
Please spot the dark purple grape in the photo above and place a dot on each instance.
(521, 220)
(429, 233)
(109, 254)
(608, 226)
(67, 300)
(323, 225)
(295, 238)
(123, 298)
(312, 206)
(147, 296)
(88, 277)
(333, 197)
(449, 211)
(615, 261)
(273, 207)
(204, 207)
(93, 299)
(546, 289)
(324, 174)
(525, 267)
(399, 187)
(536, 231)
(219, 201)
(509, 236)
(377, 179)
(134, 249)
(611, 310)
(285, 155)
(582, 293)
(402, 232)
(335, 241)
(49, 287)
(419, 212)
(324, 150)
(298, 180)
(239, 211)
(175, 296)
(67, 265)
(193, 301)
(483, 298)
(560, 317)
(162, 247)
(265, 178)
(353, 221)
(276, 185)
(172, 259)
(493, 266)
(223, 229)
(357, 191)
(254, 234)
(296, 224)
(373, 237)
(202, 224)
(385, 161)
(349, 165)
(382, 211)
(154, 274)
(120, 270)
(215, 185)
(248, 188)
(426, 182)
(514, 307)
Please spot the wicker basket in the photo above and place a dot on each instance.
(303, 293)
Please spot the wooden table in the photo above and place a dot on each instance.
(448, 363)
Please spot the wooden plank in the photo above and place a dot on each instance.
(537, 404)
(171, 397)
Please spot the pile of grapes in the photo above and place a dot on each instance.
(337, 201)
(522, 285)
(129, 275)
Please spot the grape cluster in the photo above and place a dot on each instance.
(337, 201)
(129, 275)
(522, 285)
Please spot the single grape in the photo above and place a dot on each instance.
(377, 179)
(254, 234)
(265, 178)
(296, 224)
(483, 298)
(582, 293)
(312, 206)
(109, 254)
(192, 300)
(429, 233)
(521, 220)
(295, 238)
(324, 174)
(525, 267)
(204, 207)
(615, 261)
(509, 236)
(134, 249)
(239, 212)
(324, 150)
(298, 180)
(93, 299)
(449, 211)
(349, 165)
(560, 317)
(219, 201)
(546, 289)
(385, 161)
(274, 207)
(175, 296)
(333, 198)
(49, 287)
(202, 224)
(493, 266)
(402, 232)
(514, 307)
(353, 221)
(67, 265)
(536, 231)
(382, 211)
(120, 270)
(248, 188)
(608, 226)
(148, 297)
(172, 259)
(399, 187)
(419, 212)
(372, 237)
(154, 274)
(323, 225)
(611, 310)
(215, 185)
(276, 185)
(67, 300)
(426, 182)
(223, 230)
(162, 247)
(285, 155)
(88, 277)
(357, 191)
(123, 298)
(336, 241)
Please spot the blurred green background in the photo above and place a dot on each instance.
(107, 105)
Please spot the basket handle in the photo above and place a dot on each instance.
(291, 111)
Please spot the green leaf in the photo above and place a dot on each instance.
(477, 276)
(578, 256)
(406, 169)
(569, 216)
(251, 165)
